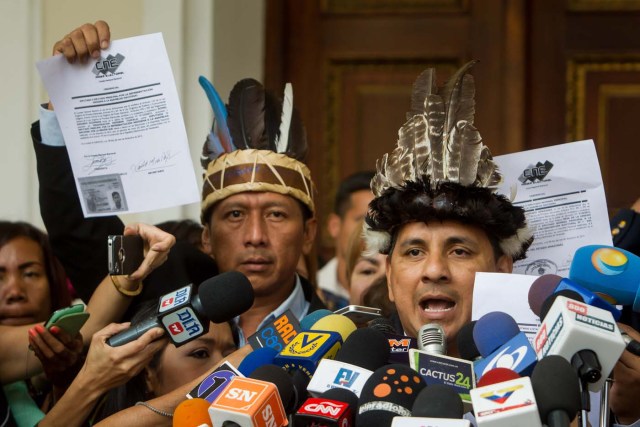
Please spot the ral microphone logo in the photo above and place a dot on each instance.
(346, 377)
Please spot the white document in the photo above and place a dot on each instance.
(123, 127)
(508, 293)
(561, 190)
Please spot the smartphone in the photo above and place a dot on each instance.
(359, 313)
(70, 319)
(125, 254)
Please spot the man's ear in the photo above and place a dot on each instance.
(309, 238)
(388, 274)
(334, 223)
(504, 264)
(206, 239)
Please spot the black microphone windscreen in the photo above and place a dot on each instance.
(546, 305)
(366, 348)
(541, 289)
(225, 296)
(340, 394)
(383, 325)
(279, 377)
(556, 387)
(389, 392)
(438, 401)
(466, 345)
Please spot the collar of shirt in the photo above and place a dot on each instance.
(296, 302)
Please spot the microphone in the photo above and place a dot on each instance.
(307, 348)
(436, 405)
(497, 375)
(584, 335)
(436, 368)
(492, 330)
(389, 392)
(610, 271)
(548, 284)
(250, 402)
(502, 345)
(310, 319)
(466, 345)
(362, 353)
(632, 346)
(192, 413)
(383, 325)
(186, 317)
(255, 359)
(211, 387)
(277, 333)
(333, 408)
(508, 403)
(557, 390)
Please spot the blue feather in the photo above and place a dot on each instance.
(219, 114)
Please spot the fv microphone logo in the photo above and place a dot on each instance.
(345, 377)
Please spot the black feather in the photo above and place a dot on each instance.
(247, 115)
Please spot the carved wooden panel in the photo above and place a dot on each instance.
(394, 6)
(603, 103)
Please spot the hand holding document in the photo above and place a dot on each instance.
(121, 120)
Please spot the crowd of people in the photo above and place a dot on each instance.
(409, 238)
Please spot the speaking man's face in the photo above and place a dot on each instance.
(431, 272)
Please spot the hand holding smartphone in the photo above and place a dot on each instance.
(70, 319)
(126, 253)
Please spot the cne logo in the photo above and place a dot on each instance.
(108, 65)
(324, 408)
(346, 377)
(532, 173)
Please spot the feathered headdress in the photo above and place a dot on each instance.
(440, 169)
(256, 143)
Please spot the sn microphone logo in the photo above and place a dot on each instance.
(241, 395)
(345, 377)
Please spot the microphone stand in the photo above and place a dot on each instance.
(604, 402)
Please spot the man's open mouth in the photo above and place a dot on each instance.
(437, 305)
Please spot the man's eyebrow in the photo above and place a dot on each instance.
(453, 240)
(412, 242)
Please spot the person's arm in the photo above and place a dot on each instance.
(143, 416)
(105, 367)
(108, 304)
(77, 241)
(626, 384)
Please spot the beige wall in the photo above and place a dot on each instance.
(221, 39)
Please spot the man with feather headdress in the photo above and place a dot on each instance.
(436, 214)
(437, 217)
(258, 209)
